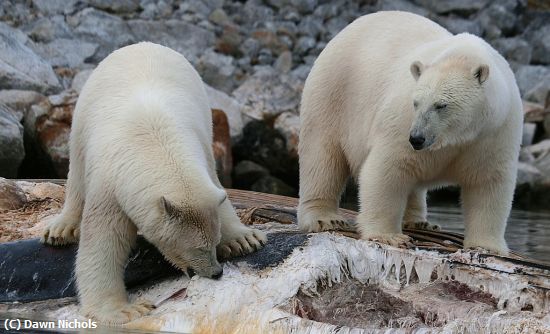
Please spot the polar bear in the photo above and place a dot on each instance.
(141, 159)
(403, 106)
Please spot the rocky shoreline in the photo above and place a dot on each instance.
(254, 55)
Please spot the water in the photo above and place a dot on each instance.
(527, 232)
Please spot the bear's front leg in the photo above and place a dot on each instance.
(107, 236)
(236, 238)
(383, 192)
(486, 208)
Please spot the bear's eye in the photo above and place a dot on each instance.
(415, 104)
(440, 106)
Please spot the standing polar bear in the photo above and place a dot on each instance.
(141, 159)
(404, 106)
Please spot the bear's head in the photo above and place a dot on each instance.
(449, 102)
(189, 232)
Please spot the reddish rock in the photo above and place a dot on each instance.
(11, 196)
(222, 147)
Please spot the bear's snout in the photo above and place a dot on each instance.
(417, 141)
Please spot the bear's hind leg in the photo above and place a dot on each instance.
(236, 238)
(107, 238)
(323, 174)
(65, 228)
(416, 213)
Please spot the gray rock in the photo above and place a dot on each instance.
(109, 31)
(301, 72)
(514, 49)
(335, 25)
(246, 173)
(528, 174)
(265, 57)
(196, 7)
(267, 93)
(66, 52)
(283, 63)
(497, 20)
(19, 101)
(304, 6)
(463, 7)
(528, 133)
(217, 70)
(231, 108)
(20, 67)
(12, 151)
(46, 29)
(329, 10)
(219, 17)
(272, 185)
(529, 77)
(311, 26)
(118, 6)
(12, 197)
(80, 79)
(52, 7)
(170, 33)
(403, 5)
(540, 91)
(457, 25)
(153, 9)
(304, 44)
(250, 47)
(541, 45)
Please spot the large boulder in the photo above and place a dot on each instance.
(269, 93)
(533, 82)
(20, 101)
(11, 196)
(12, 150)
(63, 52)
(20, 66)
(232, 109)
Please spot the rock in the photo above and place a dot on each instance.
(265, 57)
(217, 70)
(12, 151)
(246, 173)
(118, 6)
(19, 101)
(250, 47)
(514, 49)
(403, 5)
(109, 31)
(52, 7)
(283, 64)
(153, 9)
(458, 25)
(80, 79)
(311, 26)
(66, 52)
(335, 25)
(46, 29)
(48, 125)
(232, 109)
(221, 146)
(267, 147)
(540, 91)
(230, 41)
(20, 67)
(169, 33)
(269, 39)
(219, 17)
(530, 79)
(528, 174)
(304, 6)
(304, 44)
(45, 190)
(528, 133)
(267, 93)
(541, 45)
(11, 196)
(272, 185)
(288, 124)
(497, 20)
(464, 8)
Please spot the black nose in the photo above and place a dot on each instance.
(218, 275)
(417, 142)
(190, 272)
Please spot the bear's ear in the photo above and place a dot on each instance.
(416, 69)
(481, 73)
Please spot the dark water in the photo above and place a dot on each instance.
(527, 232)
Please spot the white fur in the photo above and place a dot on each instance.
(357, 115)
(141, 159)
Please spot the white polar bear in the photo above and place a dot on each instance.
(401, 104)
(141, 159)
